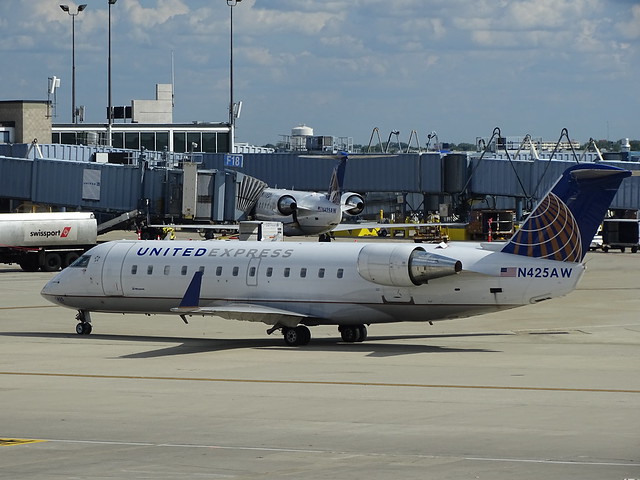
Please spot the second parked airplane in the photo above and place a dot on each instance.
(309, 213)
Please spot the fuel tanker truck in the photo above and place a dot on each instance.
(46, 241)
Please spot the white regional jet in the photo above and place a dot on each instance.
(310, 213)
(291, 286)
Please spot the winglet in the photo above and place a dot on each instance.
(563, 224)
(191, 298)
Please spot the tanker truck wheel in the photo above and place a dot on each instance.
(69, 258)
(29, 263)
(52, 262)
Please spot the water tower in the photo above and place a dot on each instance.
(299, 137)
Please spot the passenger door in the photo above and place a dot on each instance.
(112, 268)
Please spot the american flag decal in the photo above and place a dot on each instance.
(508, 271)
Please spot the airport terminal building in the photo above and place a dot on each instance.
(145, 124)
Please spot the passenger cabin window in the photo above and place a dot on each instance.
(150, 270)
(235, 271)
(340, 273)
(303, 272)
(287, 272)
(134, 269)
(81, 262)
(218, 271)
(167, 269)
(269, 271)
(321, 273)
(252, 272)
(184, 270)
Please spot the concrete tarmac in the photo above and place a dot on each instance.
(545, 391)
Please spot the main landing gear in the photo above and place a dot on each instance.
(353, 333)
(301, 335)
(84, 327)
(296, 336)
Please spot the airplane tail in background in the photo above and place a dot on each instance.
(337, 180)
(563, 224)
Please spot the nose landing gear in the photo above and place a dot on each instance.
(84, 327)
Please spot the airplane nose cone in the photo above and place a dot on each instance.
(51, 289)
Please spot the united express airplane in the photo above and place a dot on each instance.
(309, 213)
(291, 286)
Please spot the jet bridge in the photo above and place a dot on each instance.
(146, 189)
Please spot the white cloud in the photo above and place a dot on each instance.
(414, 61)
(631, 27)
(161, 13)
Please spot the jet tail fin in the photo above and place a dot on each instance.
(337, 179)
(563, 224)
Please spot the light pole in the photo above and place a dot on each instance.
(110, 109)
(65, 8)
(232, 116)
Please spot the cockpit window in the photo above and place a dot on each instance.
(81, 262)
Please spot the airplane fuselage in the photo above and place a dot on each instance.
(325, 283)
(305, 213)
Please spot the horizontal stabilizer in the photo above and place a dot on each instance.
(301, 209)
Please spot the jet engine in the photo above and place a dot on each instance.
(287, 205)
(352, 203)
(403, 265)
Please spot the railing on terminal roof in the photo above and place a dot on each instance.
(163, 159)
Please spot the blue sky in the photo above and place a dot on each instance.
(456, 67)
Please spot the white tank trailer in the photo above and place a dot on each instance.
(46, 241)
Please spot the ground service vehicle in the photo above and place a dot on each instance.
(47, 241)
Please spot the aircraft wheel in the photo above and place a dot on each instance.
(362, 330)
(290, 336)
(83, 328)
(304, 334)
(297, 336)
(351, 334)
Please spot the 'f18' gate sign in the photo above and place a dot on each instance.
(233, 160)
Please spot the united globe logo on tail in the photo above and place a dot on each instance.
(550, 232)
(563, 224)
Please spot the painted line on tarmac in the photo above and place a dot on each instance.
(317, 451)
(30, 306)
(9, 442)
(321, 382)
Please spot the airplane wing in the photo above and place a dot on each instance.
(246, 311)
(190, 305)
